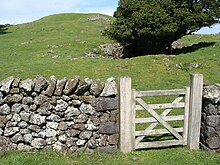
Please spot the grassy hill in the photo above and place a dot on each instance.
(54, 45)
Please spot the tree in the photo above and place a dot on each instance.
(151, 26)
(3, 28)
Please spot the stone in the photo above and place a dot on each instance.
(80, 142)
(51, 87)
(27, 100)
(5, 110)
(108, 128)
(9, 131)
(209, 131)
(82, 118)
(62, 138)
(71, 141)
(114, 139)
(62, 126)
(104, 118)
(23, 147)
(38, 143)
(212, 93)
(24, 131)
(80, 127)
(17, 138)
(72, 132)
(61, 105)
(40, 83)
(42, 134)
(71, 85)
(1, 99)
(27, 85)
(83, 86)
(71, 111)
(96, 87)
(16, 82)
(54, 118)
(104, 104)
(50, 132)
(87, 109)
(210, 109)
(37, 119)
(38, 100)
(110, 88)
(52, 125)
(60, 86)
(51, 140)
(114, 116)
(5, 145)
(108, 149)
(66, 98)
(93, 143)
(16, 98)
(213, 142)
(6, 84)
(59, 147)
(23, 124)
(102, 141)
(34, 128)
(213, 121)
(95, 120)
(25, 116)
(28, 138)
(85, 135)
(89, 100)
(76, 103)
(15, 91)
(90, 126)
(16, 118)
(16, 108)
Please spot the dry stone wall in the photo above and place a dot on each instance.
(68, 114)
(210, 128)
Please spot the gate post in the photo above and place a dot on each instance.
(195, 107)
(125, 121)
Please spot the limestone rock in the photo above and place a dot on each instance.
(34, 128)
(96, 87)
(23, 124)
(110, 88)
(104, 104)
(50, 133)
(4, 109)
(5, 145)
(108, 149)
(40, 83)
(17, 138)
(87, 109)
(71, 111)
(16, 108)
(2, 100)
(25, 116)
(108, 128)
(23, 147)
(83, 86)
(38, 143)
(61, 105)
(16, 117)
(40, 99)
(59, 147)
(27, 100)
(54, 118)
(71, 85)
(80, 142)
(52, 125)
(9, 131)
(27, 85)
(62, 138)
(113, 139)
(85, 135)
(62, 126)
(90, 126)
(14, 98)
(60, 86)
(52, 85)
(72, 132)
(6, 84)
(37, 119)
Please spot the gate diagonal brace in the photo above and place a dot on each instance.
(159, 119)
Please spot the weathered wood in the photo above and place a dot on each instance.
(156, 132)
(160, 92)
(156, 144)
(125, 107)
(162, 106)
(195, 106)
(159, 119)
(152, 120)
(133, 115)
(186, 115)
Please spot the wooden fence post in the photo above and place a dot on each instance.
(125, 107)
(195, 107)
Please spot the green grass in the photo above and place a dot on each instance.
(172, 156)
(55, 45)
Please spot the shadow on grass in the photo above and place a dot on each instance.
(192, 48)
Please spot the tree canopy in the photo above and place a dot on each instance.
(151, 26)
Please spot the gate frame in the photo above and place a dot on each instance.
(127, 104)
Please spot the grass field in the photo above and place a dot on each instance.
(55, 45)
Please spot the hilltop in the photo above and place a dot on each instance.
(56, 44)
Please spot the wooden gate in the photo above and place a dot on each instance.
(131, 101)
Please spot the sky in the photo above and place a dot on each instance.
(21, 11)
